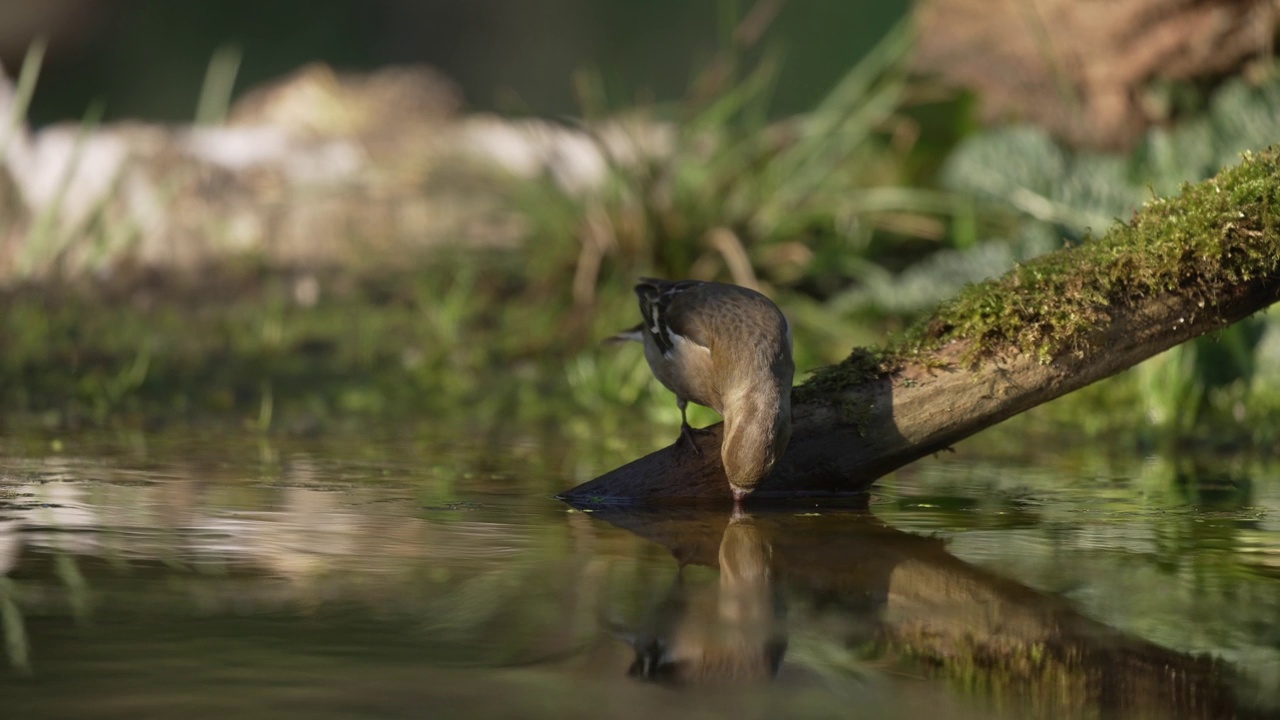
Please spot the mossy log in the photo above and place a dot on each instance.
(1181, 268)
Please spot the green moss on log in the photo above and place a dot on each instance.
(1215, 235)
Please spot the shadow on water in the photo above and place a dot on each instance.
(912, 603)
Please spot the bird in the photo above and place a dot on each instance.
(728, 348)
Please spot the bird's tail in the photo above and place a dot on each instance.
(627, 335)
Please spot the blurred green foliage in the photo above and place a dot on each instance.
(145, 58)
(857, 216)
(1218, 389)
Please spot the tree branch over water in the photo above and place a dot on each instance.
(1181, 268)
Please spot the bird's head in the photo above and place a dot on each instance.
(757, 429)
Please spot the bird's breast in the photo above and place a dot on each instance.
(686, 370)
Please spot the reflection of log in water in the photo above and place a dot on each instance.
(993, 636)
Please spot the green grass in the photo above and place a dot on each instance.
(799, 207)
(463, 340)
(820, 210)
(1202, 243)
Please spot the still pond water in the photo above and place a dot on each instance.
(206, 574)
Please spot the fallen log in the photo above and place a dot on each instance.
(1181, 268)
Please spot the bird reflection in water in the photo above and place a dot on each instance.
(851, 580)
(732, 631)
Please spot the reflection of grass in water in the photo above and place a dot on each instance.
(500, 606)
(1174, 549)
(506, 593)
(15, 633)
(833, 657)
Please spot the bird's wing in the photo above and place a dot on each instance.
(668, 308)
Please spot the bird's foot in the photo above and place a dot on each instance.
(689, 434)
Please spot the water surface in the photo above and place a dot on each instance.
(205, 573)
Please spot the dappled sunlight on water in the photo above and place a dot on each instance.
(205, 576)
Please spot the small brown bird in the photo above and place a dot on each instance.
(728, 348)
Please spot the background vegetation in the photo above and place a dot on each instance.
(858, 206)
(226, 466)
